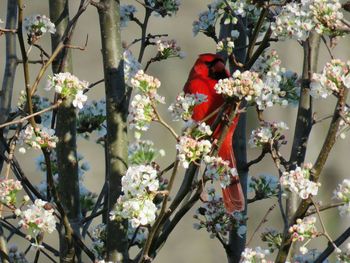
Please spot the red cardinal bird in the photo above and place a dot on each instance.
(208, 69)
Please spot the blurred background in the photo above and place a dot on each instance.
(186, 244)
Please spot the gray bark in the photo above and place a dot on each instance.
(68, 183)
(10, 69)
(117, 100)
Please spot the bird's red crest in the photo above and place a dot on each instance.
(208, 64)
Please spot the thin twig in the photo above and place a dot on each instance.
(277, 161)
(7, 30)
(54, 106)
(328, 49)
(257, 160)
(263, 221)
(324, 208)
(93, 85)
(324, 230)
(166, 125)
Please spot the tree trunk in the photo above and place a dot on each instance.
(68, 182)
(117, 100)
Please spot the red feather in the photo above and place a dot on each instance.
(206, 72)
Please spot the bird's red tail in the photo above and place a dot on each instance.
(232, 195)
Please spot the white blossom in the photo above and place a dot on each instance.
(184, 104)
(342, 193)
(226, 45)
(141, 112)
(190, 150)
(243, 85)
(296, 20)
(335, 76)
(139, 180)
(38, 217)
(257, 255)
(79, 99)
(298, 181)
(281, 87)
(219, 170)
(41, 137)
(68, 86)
(168, 49)
(37, 25)
(303, 230)
(139, 186)
(267, 133)
(8, 191)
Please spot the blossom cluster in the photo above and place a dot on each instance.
(168, 49)
(273, 238)
(335, 76)
(36, 26)
(298, 181)
(342, 193)
(8, 191)
(219, 170)
(226, 45)
(140, 185)
(40, 137)
(296, 20)
(247, 85)
(98, 237)
(207, 19)
(267, 133)
(142, 112)
(281, 87)
(326, 15)
(37, 218)
(184, 104)
(69, 86)
(164, 7)
(257, 255)
(145, 83)
(303, 230)
(92, 118)
(127, 13)
(193, 145)
(143, 152)
(263, 185)
(131, 66)
(213, 217)
(197, 130)
(190, 149)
